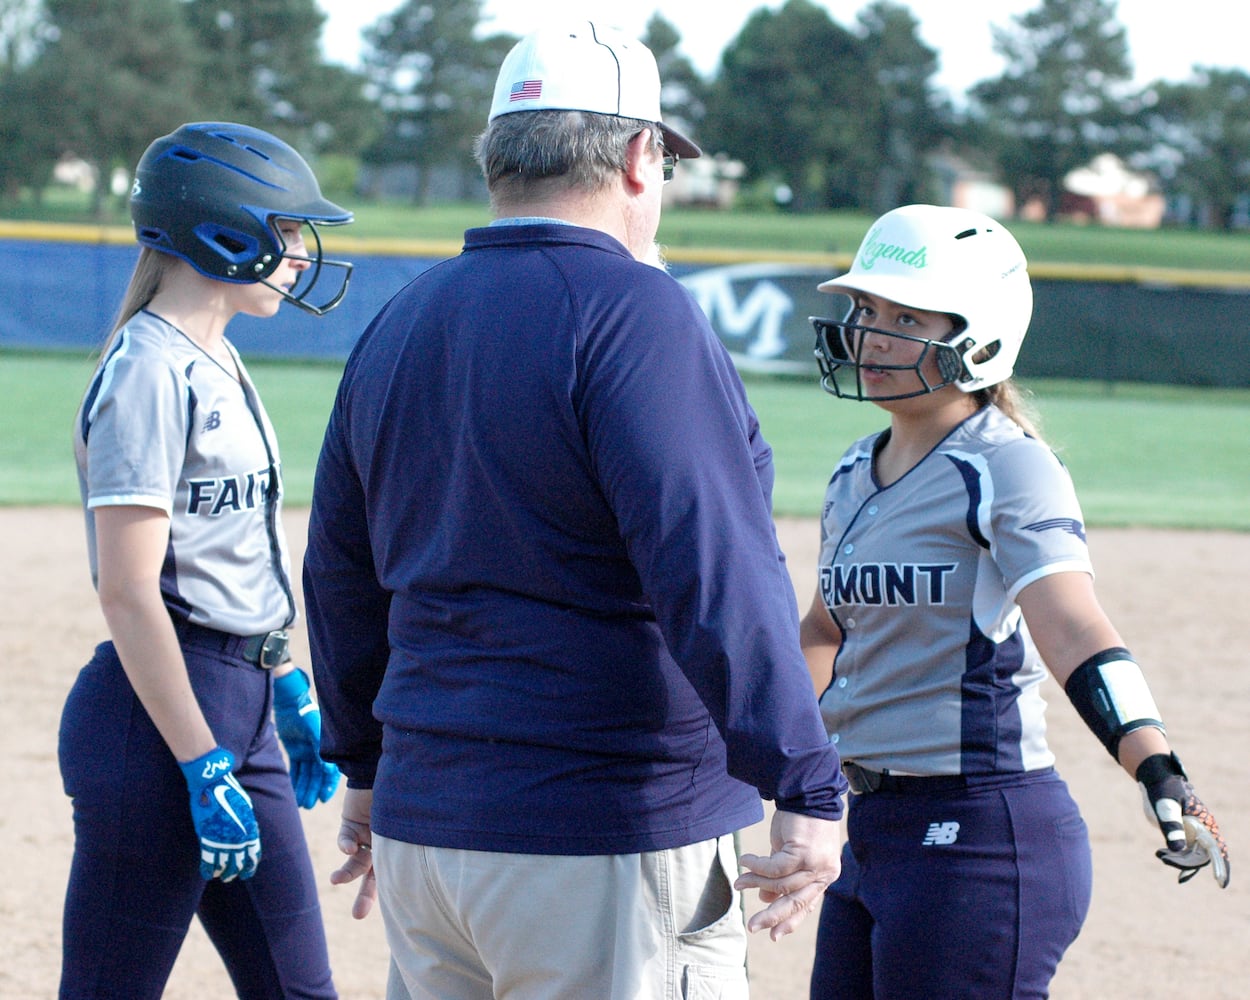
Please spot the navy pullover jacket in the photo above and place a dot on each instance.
(547, 608)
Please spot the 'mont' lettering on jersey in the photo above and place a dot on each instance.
(230, 493)
(885, 583)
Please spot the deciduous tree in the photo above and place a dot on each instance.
(789, 103)
(119, 72)
(911, 117)
(683, 93)
(434, 81)
(261, 64)
(1196, 135)
(1059, 102)
(27, 152)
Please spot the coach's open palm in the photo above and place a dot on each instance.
(356, 841)
(806, 859)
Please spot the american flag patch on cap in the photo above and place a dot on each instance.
(526, 90)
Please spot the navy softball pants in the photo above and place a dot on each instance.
(134, 883)
(974, 892)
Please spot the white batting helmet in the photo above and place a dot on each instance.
(940, 259)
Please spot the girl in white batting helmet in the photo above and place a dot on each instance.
(953, 573)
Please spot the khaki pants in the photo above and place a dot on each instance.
(474, 925)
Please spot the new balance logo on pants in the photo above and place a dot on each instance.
(941, 833)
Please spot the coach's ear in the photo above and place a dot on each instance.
(642, 163)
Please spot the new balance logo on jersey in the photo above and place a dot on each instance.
(212, 421)
(941, 834)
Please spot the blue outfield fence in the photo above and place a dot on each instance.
(63, 296)
(60, 287)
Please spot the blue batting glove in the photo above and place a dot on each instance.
(222, 813)
(299, 726)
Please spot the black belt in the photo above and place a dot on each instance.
(864, 781)
(265, 651)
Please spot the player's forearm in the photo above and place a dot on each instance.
(153, 662)
(1140, 744)
(819, 658)
(820, 643)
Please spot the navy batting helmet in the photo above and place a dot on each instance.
(211, 193)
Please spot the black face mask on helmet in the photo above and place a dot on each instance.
(937, 259)
(839, 346)
(213, 194)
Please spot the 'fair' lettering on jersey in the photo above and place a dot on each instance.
(941, 834)
(885, 583)
(230, 493)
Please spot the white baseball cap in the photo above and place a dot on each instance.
(585, 67)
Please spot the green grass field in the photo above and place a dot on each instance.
(1156, 456)
(686, 229)
(1140, 456)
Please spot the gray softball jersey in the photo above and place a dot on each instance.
(936, 673)
(163, 425)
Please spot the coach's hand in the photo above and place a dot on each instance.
(806, 860)
(222, 813)
(1190, 830)
(356, 841)
(299, 726)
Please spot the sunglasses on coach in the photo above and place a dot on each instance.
(668, 159)
(669, 162)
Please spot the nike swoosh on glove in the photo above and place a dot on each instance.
(1189, 828)
(298, 720)
(222, 814)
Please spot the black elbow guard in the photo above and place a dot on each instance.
(1112, 697)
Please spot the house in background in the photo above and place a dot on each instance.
(706, 182)
(1105, 192)
(1108, 192)
(962, 185)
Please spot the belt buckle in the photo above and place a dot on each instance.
(273, 651)
(861, 780)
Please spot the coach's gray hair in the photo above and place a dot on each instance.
(525, 153)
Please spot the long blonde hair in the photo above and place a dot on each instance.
(145, 282)
(1014, 402)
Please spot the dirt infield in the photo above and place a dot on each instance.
(1179, 599)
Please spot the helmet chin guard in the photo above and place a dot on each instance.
(213, 193)
(838, 347)
(939, 259)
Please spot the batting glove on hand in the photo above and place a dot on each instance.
(222, 813)
(1192, 834)
(299, 725)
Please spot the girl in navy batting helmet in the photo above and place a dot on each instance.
(183, 803)
(953, 573)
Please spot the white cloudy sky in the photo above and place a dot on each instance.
(1163, 42)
